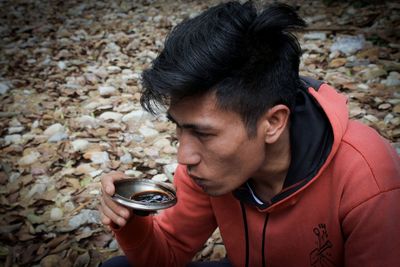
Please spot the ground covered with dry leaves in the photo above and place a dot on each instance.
(69, 90)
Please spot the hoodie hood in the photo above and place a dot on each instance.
(317, 125)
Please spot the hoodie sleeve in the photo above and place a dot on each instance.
(172, 237)
(371, 221)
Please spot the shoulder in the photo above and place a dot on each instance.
(364, 145)
(365, 166)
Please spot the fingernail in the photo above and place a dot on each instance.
(108, 190)
(121, 221)
(124, 214)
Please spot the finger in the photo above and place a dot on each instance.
(112, 215)
(116, 208)
(107, 181)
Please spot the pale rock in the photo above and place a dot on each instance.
(395, 121)
(135, 115)
(148, 132)
(86, 216)
(160, 178)
(87, 121)
(56, 214)
(4, 87)
(348, 44)
(107, 90)
(384, 106)
(113, 245)
(124, 108)
(371, 118)
(126, 158)
(54, 129)
(393, 79)
(170, 150)
(14, 176)
(57, 137)
(134, 173)
(160, 143)
(151, 152)
(169, 170)
(29, 159)
(37, 188)
(362, 87)
(80, 145)
(218, 253)
(17, 129)
(62, 65)
(35, 124)
(13, 139)
(95, 173)
(388, 118)
(111, 116)
(84, 168)
(99, 157)
(372, 72)
(315, 36)
(113, 69)
(98, 71)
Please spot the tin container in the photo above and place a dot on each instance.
(144, 194)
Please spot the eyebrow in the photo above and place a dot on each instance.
(189, 125)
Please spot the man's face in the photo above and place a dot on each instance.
(214, 144)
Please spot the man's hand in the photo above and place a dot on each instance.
(112, 212)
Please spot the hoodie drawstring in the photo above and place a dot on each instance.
(263, 241)
(246, 233)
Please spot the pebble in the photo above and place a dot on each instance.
(13, 139)
(126, 158)
(54, 129)
(348, 44)
(384, 106)
(160, 178)
(372, 72)
(87, 121)
(99, 157)
(393, 79)
(80, 145)
(148, 132)
(86, 216)
(111, 116)
(29, 159)
(371, 118)
(169, 171)
(57, 137)
(107, 90)
(134, 173)
(315, 36)
(18, 129)
(113, 69)
(4, 87)
(56, 214)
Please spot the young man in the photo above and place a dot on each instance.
(267, 156)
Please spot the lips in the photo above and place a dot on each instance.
(199, 181)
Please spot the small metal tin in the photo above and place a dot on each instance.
(126, 188)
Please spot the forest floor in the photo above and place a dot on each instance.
(69, 110)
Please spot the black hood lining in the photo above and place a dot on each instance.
(311, 139)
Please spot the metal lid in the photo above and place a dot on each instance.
(126, 188)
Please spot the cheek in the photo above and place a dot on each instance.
(244, 157)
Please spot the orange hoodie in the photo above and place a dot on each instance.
(344, 212)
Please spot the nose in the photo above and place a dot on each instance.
(188, 153)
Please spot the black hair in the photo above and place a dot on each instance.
(251, 60)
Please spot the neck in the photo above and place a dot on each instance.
(270, 179)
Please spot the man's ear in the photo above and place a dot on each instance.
(275, 122)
